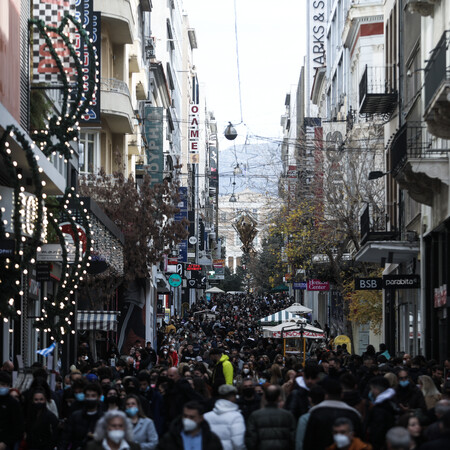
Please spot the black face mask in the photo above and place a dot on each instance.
(39, 406)
(91, 403)
(113, 400)
(248, 392)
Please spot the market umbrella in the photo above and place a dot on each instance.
(291, 329)
(297, 308)
(280, 316)
(214, 290)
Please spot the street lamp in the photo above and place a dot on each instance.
(230, 132)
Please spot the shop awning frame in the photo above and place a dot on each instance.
(97, 320)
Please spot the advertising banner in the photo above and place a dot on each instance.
(401, 281)
(317, 285)
(368, 284)
(183, 214)
(153, 135)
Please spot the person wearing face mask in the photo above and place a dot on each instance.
(80, 426)
(11, 415)
(190, 431)
(154, 400)
(113, 432)
(41, 425)
(164, 359)
(381, 416)
(407, 395)
(226, 420)
(112, 400)
(344, 438)
(144, 430)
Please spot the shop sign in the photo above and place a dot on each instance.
(317, 285)
(368, 284)
(43, 271)
(53, 253)
(440, 296)
(401, 281)
(300, 285)
(7, 247)
(193, 267)
(175, 280)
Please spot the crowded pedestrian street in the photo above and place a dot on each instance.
(213, 381)
(224, 225)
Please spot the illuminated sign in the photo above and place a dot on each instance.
(193, 267)
(28, 212)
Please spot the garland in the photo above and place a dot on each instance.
(57, 313)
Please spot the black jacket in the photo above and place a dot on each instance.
(379, 420)
(297, 401)
(176, 397)
(42, 429)
(270, 428)
(410, 396)
(96, 445)
(248, 406)
(437, 444)
(11, 420)
(79, 429)
(172, 440)
(319, 430)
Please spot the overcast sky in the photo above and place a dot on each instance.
(272, 45)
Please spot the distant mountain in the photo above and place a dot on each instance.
(260, 165)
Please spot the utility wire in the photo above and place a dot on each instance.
(237, 59)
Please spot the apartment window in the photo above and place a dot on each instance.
(237, 240)
(88, 152)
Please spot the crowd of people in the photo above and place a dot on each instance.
(214, 382)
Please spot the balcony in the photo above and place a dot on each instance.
(118, 16)
(373, 227)
(377, 95)
(419, 161)
(116, 105)
(423, 7)
(437, 89)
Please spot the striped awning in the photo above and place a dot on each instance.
(97, 320)
(280, 316)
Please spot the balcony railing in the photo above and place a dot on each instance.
(414, 142)
(114, 85)
(437, 71)
(373, 225)
(377, 92)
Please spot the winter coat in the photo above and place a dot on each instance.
(319, 430)
(381, 418)
(301, 429)
(222, 373)
(410, 396)
(176, 397)
(156, 408)
(145, 434)
(97, 445)
(297, 401)
(11, 420)
(79, 429)
(227, 422)
(42, 430)
(247, 406)
(270, 428)
(172, 440)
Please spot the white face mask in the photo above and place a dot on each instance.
(341, 440)
(116, 435)
(189, 424)
(246, 371)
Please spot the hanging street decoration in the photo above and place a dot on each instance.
(21, 248)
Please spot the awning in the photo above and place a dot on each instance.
(280, 316)
(292, 330)
(298, 308)
(394, 252)
(97, 320)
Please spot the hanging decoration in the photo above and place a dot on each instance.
(16, 264)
